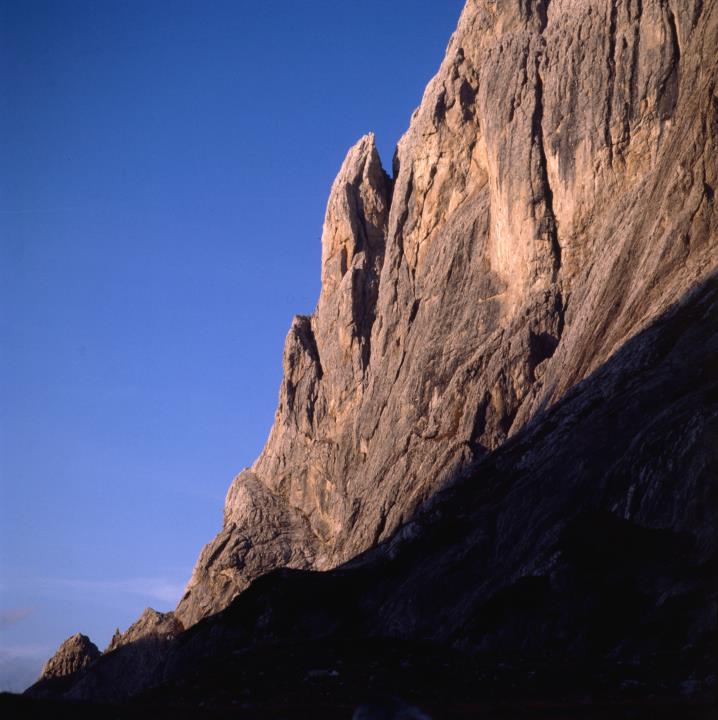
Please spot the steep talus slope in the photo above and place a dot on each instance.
(552, 198)
(553, 194)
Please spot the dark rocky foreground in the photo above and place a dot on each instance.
(491, 487)
(379, 708)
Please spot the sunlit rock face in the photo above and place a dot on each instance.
(553, 195)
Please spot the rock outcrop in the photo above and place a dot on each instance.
(150, 625)
(134, 656)
(74, 655)
(72, 658)
(553, 195)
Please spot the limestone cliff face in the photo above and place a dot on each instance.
(553, 195)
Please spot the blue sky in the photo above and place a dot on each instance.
(165, 167)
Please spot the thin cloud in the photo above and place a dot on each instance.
(14, 616)
(13, 652)
(20, 666)
(157, 588)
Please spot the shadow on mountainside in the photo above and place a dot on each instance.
(577, 563)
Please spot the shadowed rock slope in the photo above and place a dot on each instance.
(551, 205)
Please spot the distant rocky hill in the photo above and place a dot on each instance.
(500, 425)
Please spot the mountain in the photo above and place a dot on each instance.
(497, 435)
(552, 196)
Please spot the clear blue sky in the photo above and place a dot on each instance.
(164, 171)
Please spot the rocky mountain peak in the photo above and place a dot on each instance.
(71, 661)
(74, 655)
(548, 238)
